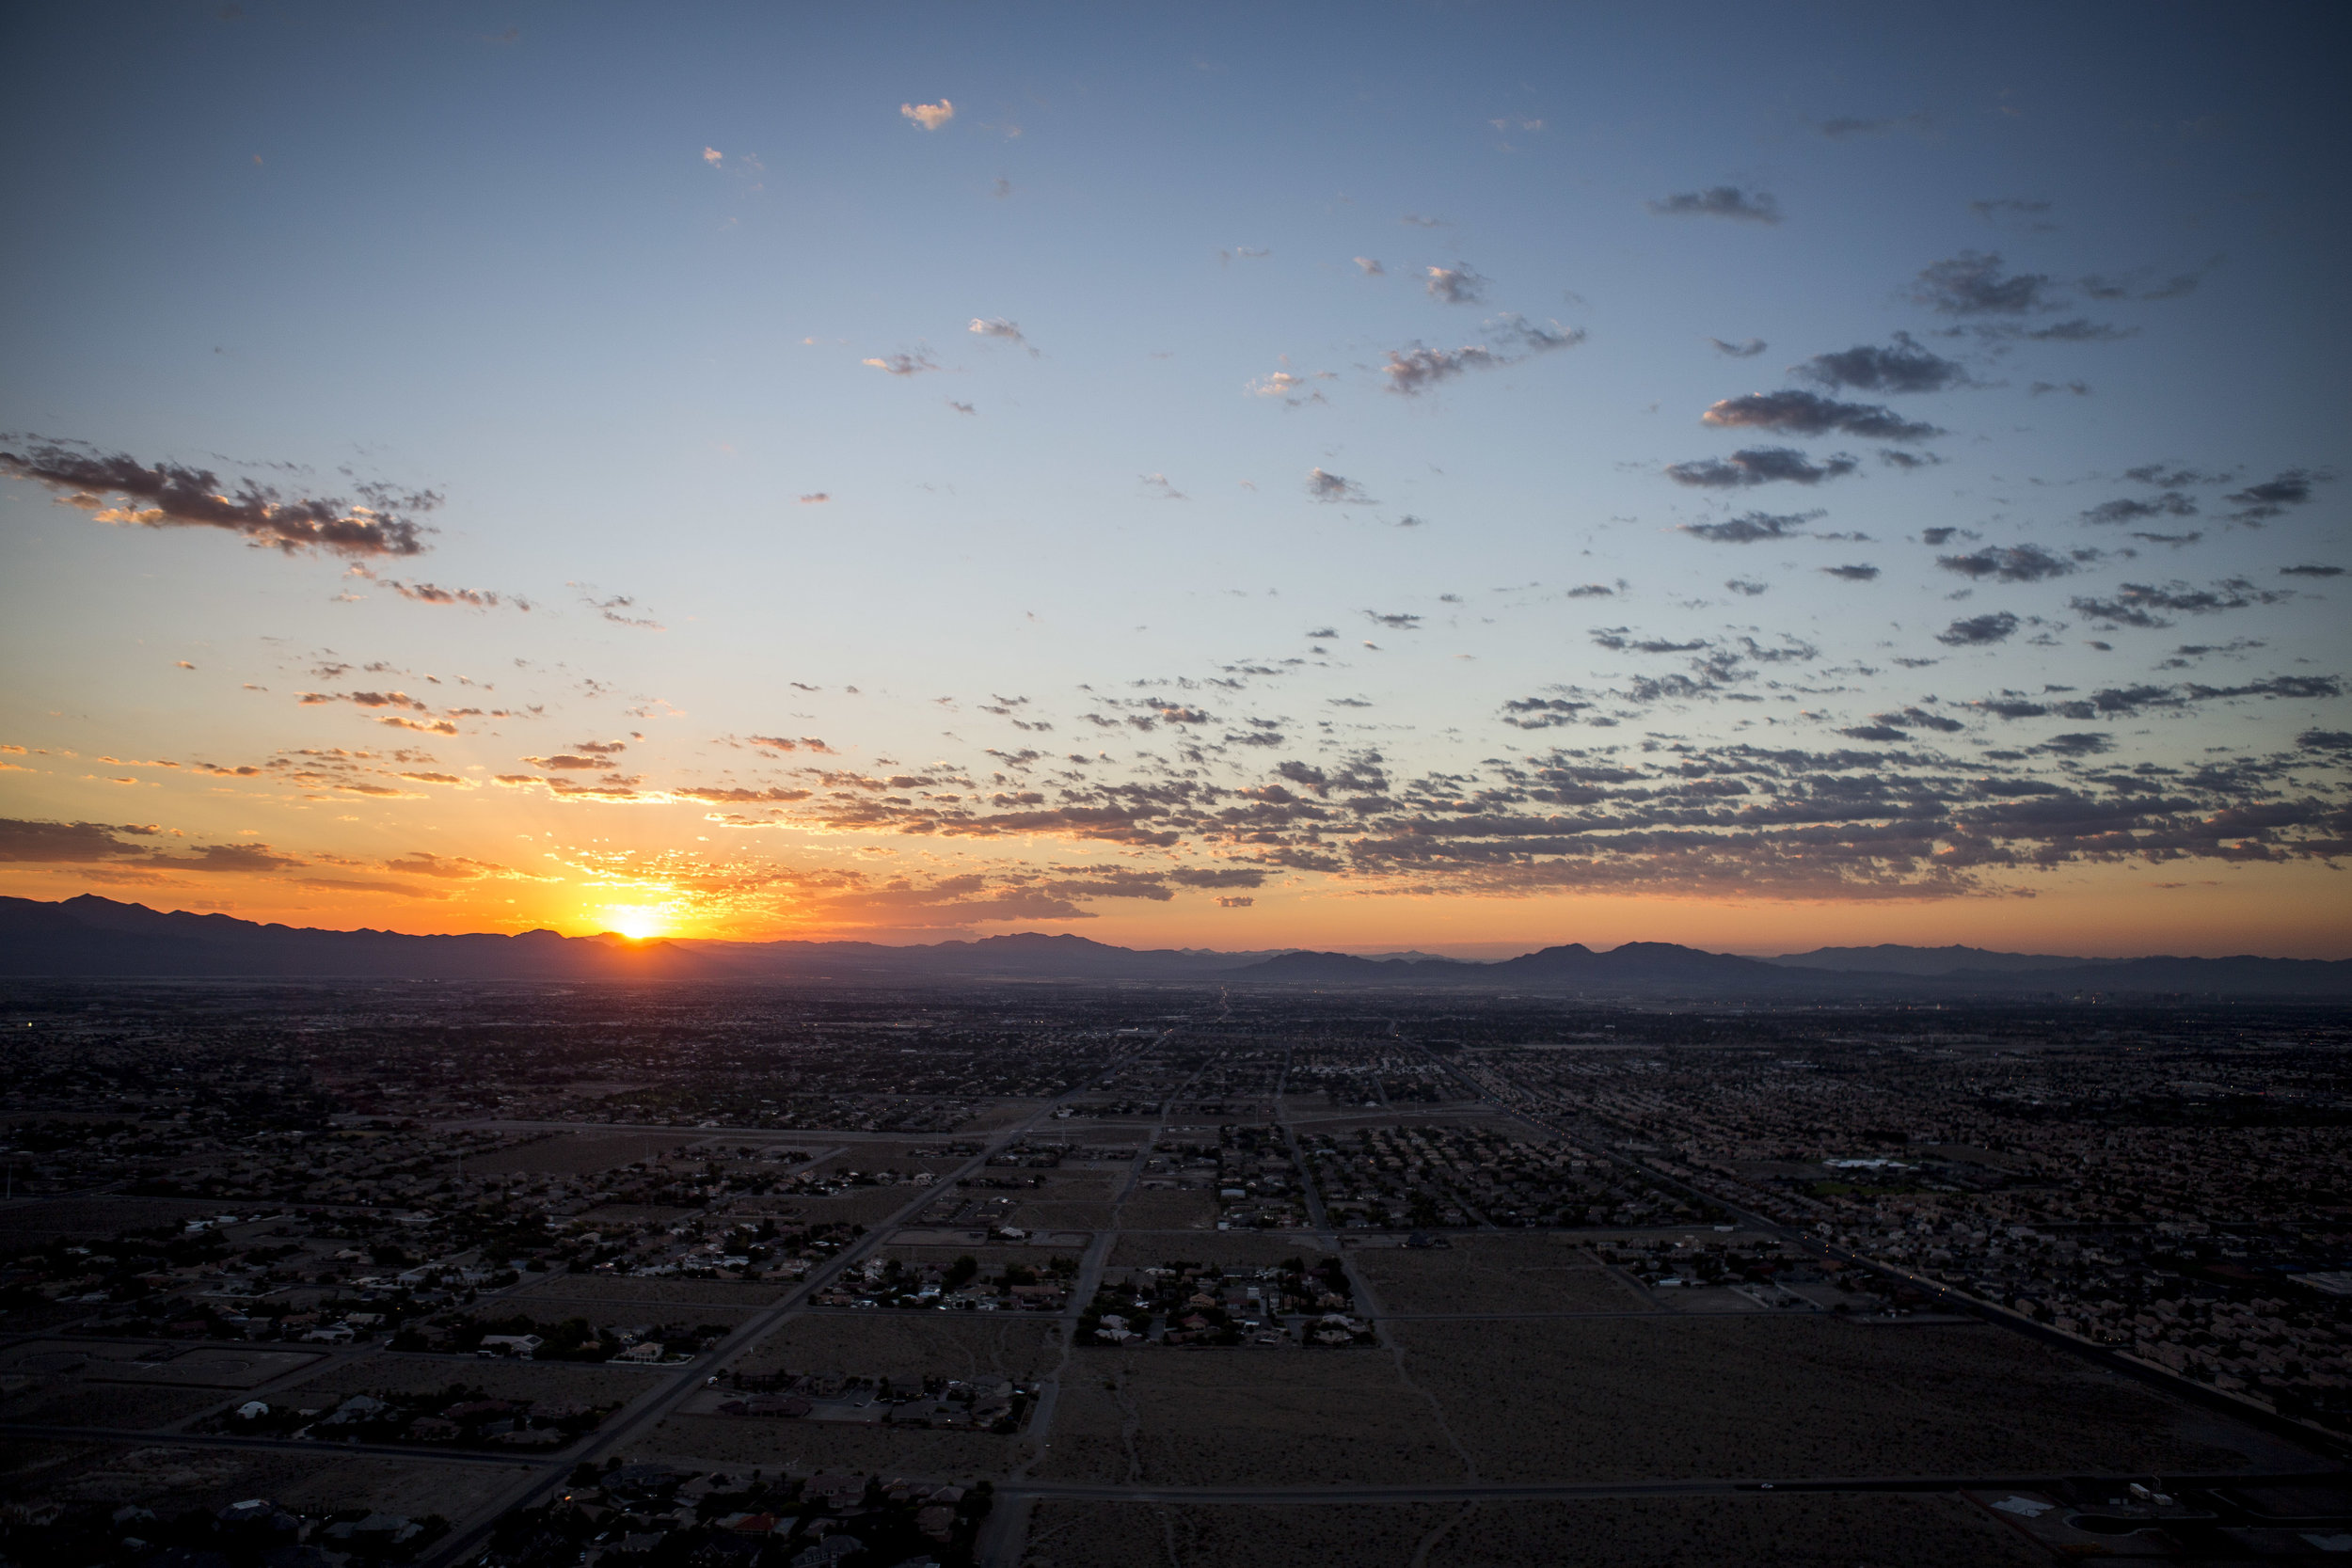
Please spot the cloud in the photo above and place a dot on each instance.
(2258, 504)
(1719, 201)
(1748, 528)
(1904, 368)
(2074, 330)
(1235, 901)
(2141, 604)
(1748, 350)
(1161, 489)
(930, 117)
(1456, 285)
(1853, 574)
(2140, 285)
(171, 495)
(1810, 414)
(961, 408)
(1511, 328)
(1414, 220)
(1759, 466)
(613, 609)
(791, 743)
(1369, 268)
(1417, 368)
(426, 593)
(64, 843)
(2080, 389)
(917, 363)
(1333, 488)
(1973, 284)
(1741, 585)
(999, 328)
(1398, 621)
(2024, 217)
(2013, 562)
(816, 497)
(1979, 630)
(2310, 571)
(712, 157)
(2132, 509)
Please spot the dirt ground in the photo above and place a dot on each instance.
(1797, 1530)
(1211, 1417)
(1609, 1399)
(67, 1401)
(774, 1444)
(909, 1345)
(158, 1475)
(575, 1153)
(1507, 1274)
(1147, 1535)
(866, 1206)
(498, 1379)
(1170, 1208)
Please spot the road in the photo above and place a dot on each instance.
(468, 1534)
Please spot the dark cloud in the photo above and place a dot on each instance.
(2013, 562)
(1620, 639)
(2259, 502)
(2133, 509)
(2075, 329)
(1810, 414)
(1979, 630)
(2080, 389)
(1336, 489)
(1719, 201)
(1748, 350)
(2310, 571)
(2336, 741)
(2145, 285)
(1741, 585)
(1394, 623)
(2079, 743)
(1853, 574)
(64, 843)
(1973, 284)
(1867, 368)
(2025, 217)
(1748, 528)
(1894, 459)
(1590, 591)
(1459, 284)
(171, 495)
(2172, 478)
(2174, 540)
(1759, 466)
(2141, 604)
(1411, 370)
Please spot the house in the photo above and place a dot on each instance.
(521, 1346)
(642, 1352)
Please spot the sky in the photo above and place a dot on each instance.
(1457, 477)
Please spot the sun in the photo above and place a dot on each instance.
(636, 922)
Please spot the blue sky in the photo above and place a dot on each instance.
(619, 289)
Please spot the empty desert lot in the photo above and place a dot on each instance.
(1625, 1399)
(1797, 1530)
(1245, 1417)
(1503, 1273)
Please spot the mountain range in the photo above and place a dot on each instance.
(94, 938)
